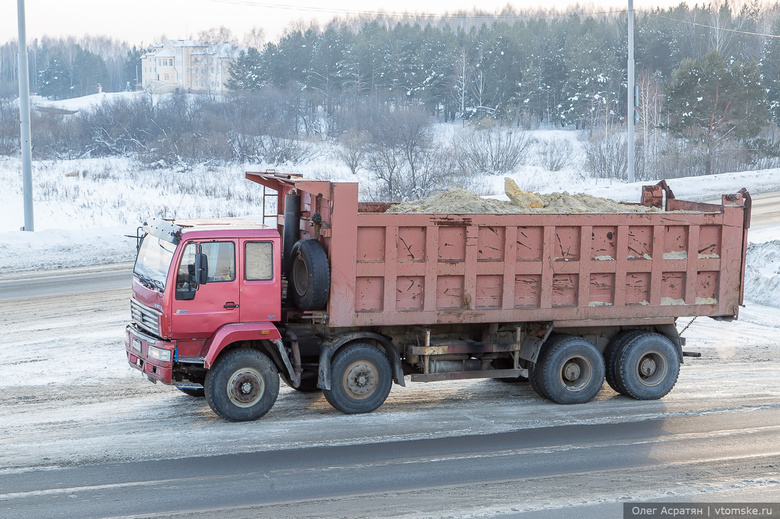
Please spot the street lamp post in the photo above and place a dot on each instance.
(631, 100)
(24, 118)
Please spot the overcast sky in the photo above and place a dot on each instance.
(145, 21)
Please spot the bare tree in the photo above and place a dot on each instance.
(650, 109)
(554, 154)
(353, 149)
(254, 38)
(219, 34)
(490, 148)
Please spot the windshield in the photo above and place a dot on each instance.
(154, 258)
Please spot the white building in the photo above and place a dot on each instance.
(188, 67)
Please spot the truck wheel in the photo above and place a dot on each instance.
(310, 275)
(572, 371)
(648, 367)
(360, 379)
(535, 374)
(242, 386)
(533, 378)
(197, 392)
(611, 354)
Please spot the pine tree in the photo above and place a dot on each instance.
(247, 73)
(54, 81)
(770, 70)
(711, 101)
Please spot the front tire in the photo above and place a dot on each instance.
(361, 378)
(648, 367)
(572, 371)
(242, 386)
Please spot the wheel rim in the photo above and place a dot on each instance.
(360, 379)
(651, 368)
(300, 276)
(245, 387)
(576, 373)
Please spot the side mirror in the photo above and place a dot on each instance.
(201, 268)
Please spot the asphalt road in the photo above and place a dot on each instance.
(66, 282)
(221, 485)
(766, 209)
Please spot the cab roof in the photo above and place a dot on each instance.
(173, 230)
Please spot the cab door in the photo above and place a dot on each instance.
(261, 293)
(200, 309)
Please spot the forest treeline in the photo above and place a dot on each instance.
(708, 87)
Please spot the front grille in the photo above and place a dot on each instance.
(145, 318)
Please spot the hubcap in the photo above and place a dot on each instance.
(360, 379)
(652, 368)
(245, 387)
(576, 373)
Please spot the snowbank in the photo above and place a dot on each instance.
(762, 278)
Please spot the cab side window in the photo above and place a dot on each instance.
(259, 261)
(222, 260)
(185, 276)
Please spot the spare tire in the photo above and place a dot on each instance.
(309, 281)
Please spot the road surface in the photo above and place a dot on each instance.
(415, 476)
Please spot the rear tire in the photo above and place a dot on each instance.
(242, 386)
(360, 379)
(309, 275)
(571, 371)
(648, 367)
(535, 374)
(611, 354)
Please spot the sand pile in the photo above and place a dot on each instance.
(461, 201)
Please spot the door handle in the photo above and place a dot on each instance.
(230, 306)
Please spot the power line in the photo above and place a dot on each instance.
(397, 14)
(696, 24)
(474, 15)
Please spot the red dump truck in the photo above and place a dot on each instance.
(342, 297)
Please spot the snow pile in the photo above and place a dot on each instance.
(60, 248)
(762, 276)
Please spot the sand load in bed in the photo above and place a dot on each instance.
(460, 201)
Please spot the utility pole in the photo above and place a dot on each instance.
(631, 101)
(24, 118)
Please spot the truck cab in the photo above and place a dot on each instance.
(200, 286)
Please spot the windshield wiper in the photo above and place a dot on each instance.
(149, 282)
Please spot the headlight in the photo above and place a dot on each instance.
(159, 354)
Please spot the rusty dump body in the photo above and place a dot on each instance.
(568, 270)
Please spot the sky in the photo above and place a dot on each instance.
(146, 21)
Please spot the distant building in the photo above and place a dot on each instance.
(188, 67)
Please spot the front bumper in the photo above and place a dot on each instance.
(137, 348)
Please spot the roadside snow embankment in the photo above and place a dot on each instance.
(762, 276)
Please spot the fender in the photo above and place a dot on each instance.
(329, 347)
(230, 333)
(670, 331)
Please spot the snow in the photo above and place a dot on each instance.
(80, 103)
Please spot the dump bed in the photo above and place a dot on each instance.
(569, 269)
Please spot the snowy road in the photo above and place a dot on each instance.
(255, 483)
